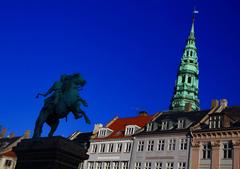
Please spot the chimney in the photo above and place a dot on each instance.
(26, 134)
(3, 132)
(214, 104)
(224, 103)
(97, 127)
(12, 135)
(188, 107)
(143, 113)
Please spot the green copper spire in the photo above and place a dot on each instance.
(186, 87)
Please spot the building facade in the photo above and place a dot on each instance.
(216, 139)
(8, 158)
(165, 142)
(111, 147)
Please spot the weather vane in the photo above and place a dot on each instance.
(194, 13)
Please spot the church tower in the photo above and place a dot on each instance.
(186, 86)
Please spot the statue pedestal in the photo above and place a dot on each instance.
(49, 153)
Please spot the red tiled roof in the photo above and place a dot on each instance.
(9, 154)
(118, 126)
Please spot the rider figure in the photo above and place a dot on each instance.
(57, 89)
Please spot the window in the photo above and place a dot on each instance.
(102, 133)
(227, 150)
(90, 165)
(107, 165)
(206, 151)
(183, 79)
(102, 148)
(128, 147)
(191, 61)
(8, 163)
(164, 125)
(119, 147)
(130, 130)
(169, 165)
(140, 146)
(137, 165)
(183, 144)
(189, 79)
(94, 148)
(161, 145)
(171, 144)
(158, 165)
(80, 166)
(150, 126)
(148, 165)
(191, 53)
(181, 123)
(116, 165)
(215, 121)
(125, 165)
(98, 165)
(110, 148)
(187, 53)
(181, 165)
(150, 145)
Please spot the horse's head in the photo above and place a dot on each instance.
(78, 79)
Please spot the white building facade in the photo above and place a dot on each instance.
(112, 145)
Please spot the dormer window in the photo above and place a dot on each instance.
(104, 132)
(164, 125)
(130, 130)
(215, 121)
(149, 126)
(181, 123)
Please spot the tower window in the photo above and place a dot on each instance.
(191, 53)
(183, 79)
(189, 79)
(187, 53)
(191, 61)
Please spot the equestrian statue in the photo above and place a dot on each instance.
(64, 99)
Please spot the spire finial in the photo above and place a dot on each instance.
(193, 20)
(194, 13)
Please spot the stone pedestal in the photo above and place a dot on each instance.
(49, 153)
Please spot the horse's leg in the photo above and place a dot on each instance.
(77, 111)
(54, 124)
(39, 123)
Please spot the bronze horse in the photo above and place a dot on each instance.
(68, 100)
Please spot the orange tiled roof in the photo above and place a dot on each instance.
(118, 126)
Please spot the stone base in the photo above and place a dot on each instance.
(49, 153)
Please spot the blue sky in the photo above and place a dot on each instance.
(128, 51)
